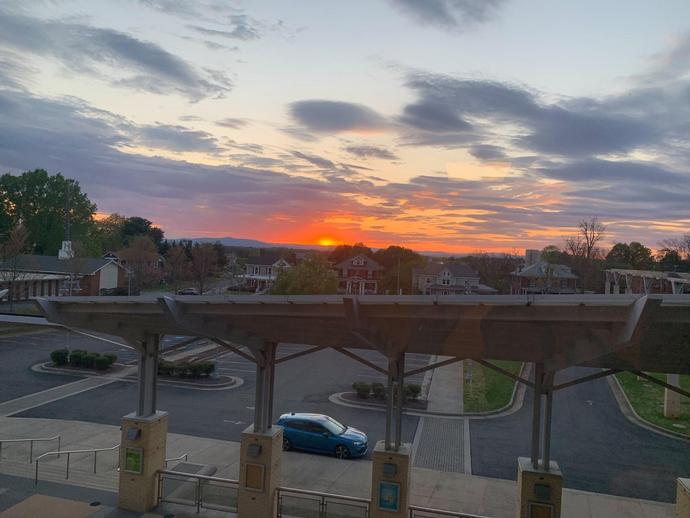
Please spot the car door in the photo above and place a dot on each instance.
(297, 434)
(319, 438)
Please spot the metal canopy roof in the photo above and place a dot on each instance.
(650, 333)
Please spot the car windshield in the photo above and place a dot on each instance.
(333, 426)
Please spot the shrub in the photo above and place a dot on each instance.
(88, 360)
(165, 368)
(60, 357)
(181, 370)
(194, 370)
(111, 358)
(102, 363)
(362, 389)
(207, 368)
(76, 358)
(412, 391)
(379, 390)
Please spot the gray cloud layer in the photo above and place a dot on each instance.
(322, 116)
(90, 50)
(450, 14)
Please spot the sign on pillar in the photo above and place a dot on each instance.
(142, 455)
(390, 482)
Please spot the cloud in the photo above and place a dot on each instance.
(488, 152)
(575, 128)
(315, 160)
(365, 151)
(176, 138)
(108, 54)
(320, 116)
(450, 14)
(241, 27)
(232, 123)
(619, 172)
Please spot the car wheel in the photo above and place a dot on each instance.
(342, 452)
(287, 445)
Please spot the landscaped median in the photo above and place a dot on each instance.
(195, 373)
(647, 400)
(486, 390)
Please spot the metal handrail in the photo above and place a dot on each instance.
(439, 512)
(31, 442)
(183, 456)
(70, 452)
(198, 492)
(325, 495)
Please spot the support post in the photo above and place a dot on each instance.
(400, 398)
(536, 413)
(144, 437)
(671, 398)
(682, 498)
(261, 445)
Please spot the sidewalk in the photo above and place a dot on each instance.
(451, 491)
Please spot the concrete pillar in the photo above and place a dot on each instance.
(616, 288)
(607, 287)
(539, 491)
(142, 454)
(672, 399)
(261, 455)
(390, 481)
(683, 498)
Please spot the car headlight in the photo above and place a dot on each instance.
(358, 443)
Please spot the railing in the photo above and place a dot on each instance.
(303, 503)
(425, 512)
(31, 442)
(200, 491)
(69, 453)
(184, 456)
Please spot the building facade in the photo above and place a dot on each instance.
(261, 272)
(645, 282)
(544, 278)
(359, 275)
(448, 279)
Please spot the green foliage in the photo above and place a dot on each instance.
(39, 201)
(412, 391)
(312, 276)
(76, 357)
(633, 256)
(60, 357)
(399, 263)
(342, 252)
(102, 363)
(111, 357)
(362, 389)
(193, 370)
(378, 390)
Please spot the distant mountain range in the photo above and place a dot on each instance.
(253, 243)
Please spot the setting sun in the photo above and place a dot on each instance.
(327, 241)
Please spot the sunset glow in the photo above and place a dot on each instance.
(267, 121)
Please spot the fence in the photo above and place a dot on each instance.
(200, 491)
(293, 503)
(31, 444)
(69, 454)
(425, 512)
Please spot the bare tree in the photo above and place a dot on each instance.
(583, 246)
(680, 245)
(142, 259)
(177, 266)
(204, 264)
(12, 248)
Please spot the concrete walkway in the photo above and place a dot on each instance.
(446, 390)
(430, 488)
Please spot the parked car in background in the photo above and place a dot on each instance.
(188, 291)
(323, 434)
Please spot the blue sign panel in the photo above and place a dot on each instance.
(389, 496)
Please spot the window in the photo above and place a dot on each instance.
(297, 425)
(256, 270)
(334, 426)
(270, 271)
(428, 280)
(315, 428)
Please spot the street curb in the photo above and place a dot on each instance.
(234, 382)
(631, 415)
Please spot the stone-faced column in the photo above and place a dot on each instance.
(539, 490)
(671, 398)
(683, 498)
(390, 481)
(261, 457)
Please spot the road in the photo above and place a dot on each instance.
(597, 448)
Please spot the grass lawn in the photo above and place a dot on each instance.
(488, 389)
(648, 401)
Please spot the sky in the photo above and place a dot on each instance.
(441, 125)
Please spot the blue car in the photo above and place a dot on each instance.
(322, 434)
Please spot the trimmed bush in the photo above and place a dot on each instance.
(111, 357)
(379, 390)
(207, 368)
(102, 363)
(412, 391)
(362, 389)
(76, 358)
(60, 357)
